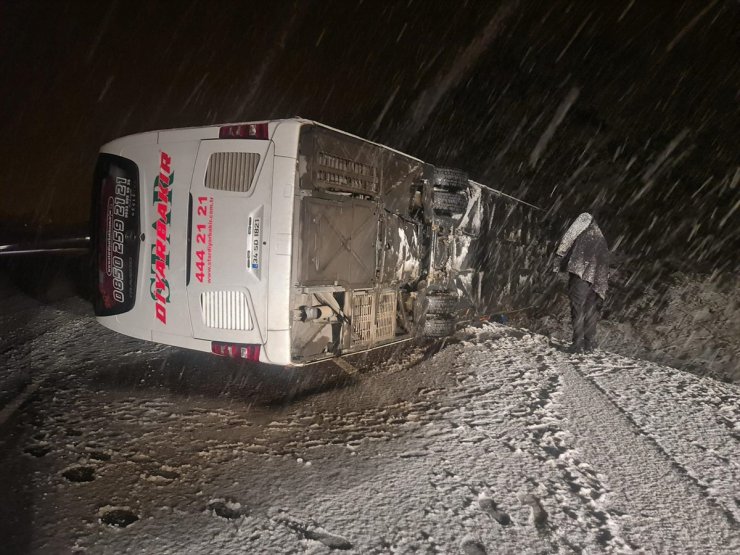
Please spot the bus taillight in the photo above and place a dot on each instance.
(236, 350)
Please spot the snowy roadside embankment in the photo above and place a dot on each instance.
(498, 443)
(688, 322)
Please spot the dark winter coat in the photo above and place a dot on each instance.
(585, 253)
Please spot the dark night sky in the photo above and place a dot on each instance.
(652, 129)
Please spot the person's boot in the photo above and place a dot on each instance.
(576, 349)
(589, 347)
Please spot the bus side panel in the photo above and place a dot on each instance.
(280, 248)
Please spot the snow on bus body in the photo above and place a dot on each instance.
(285, 241)
(205, 275)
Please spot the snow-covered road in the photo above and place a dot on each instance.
(499, 443)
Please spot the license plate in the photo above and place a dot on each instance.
(255, 242)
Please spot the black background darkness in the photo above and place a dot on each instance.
(470, 84)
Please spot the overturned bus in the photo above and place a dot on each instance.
(289, 242)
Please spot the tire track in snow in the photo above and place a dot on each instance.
(562, 495)
(704, 466)
(643, 478)
(552, 443)
(627, 490)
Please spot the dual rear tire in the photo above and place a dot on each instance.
(449, 179)
(437, 326)
(449, 201)
(440, 320)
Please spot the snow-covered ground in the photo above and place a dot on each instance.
(690, 322)
(498, 443)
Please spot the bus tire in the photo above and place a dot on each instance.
(437, 325)
(442, 304)
(449, 178)
(454, 203)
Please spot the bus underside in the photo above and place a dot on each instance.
(379, 249)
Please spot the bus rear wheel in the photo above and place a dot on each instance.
(453, 203)
(446, 303)
(449, 178)
(438, 325)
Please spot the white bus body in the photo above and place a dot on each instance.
(284, 241)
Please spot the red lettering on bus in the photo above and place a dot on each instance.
(161, 231)
(160, 298)
(162, 211)
(160, 250)
(160, 268)
(160, 262)
(161, 313)
(165, 162)
(163, 195)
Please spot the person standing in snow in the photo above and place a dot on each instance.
(584, 254)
